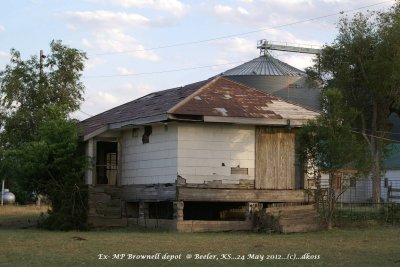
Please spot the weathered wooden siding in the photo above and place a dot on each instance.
(151, 163)
(275, 158)
(207, 152)
(242, 195)
(156, 192)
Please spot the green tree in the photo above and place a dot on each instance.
(364, 64)
(29, 88)
(53, 164)
(328, 144)
(38, 142)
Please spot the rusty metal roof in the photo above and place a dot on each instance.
(226, 98)
(265, 65)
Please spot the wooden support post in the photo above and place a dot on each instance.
(253, 209)
(141, 214)
(249, 211)
(119, 161)
(178, 210)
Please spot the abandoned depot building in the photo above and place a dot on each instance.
(206, 156)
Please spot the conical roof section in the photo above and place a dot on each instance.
(265, 65)
(278, 78)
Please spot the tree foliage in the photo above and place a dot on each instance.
(328, 144)
(38, 141)
(52, 164)
(364, 64)
(329, 140)
(29, 89)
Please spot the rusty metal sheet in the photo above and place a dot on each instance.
(223, 97)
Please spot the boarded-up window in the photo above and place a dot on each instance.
(275, 158)
(237, 170)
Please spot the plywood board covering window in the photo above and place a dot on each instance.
(275, 158)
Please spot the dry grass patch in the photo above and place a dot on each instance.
(13, 216)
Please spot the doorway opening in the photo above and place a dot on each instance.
(107, 162)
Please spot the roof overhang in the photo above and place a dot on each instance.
(138, 121)
(126, 124)
(95, 133)
(256, 121)
(216, 119)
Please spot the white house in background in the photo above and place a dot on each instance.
(360, 191)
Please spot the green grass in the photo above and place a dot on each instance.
(374, 246)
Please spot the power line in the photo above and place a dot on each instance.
(384, 132)
(378, 137)
(162, 71)
(243, 33)
(83, 112)
(212, 39)
(167, 71)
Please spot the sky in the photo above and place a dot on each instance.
(136, 47)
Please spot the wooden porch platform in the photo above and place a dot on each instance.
(243, 195)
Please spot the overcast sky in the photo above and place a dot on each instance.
(118, 36)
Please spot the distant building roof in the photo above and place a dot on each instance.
(275, 77)
(265, 65)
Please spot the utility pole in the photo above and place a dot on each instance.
(2, 192)
(41, 58)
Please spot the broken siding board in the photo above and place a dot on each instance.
(275, 158)
(241, 195)
(149, 193)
